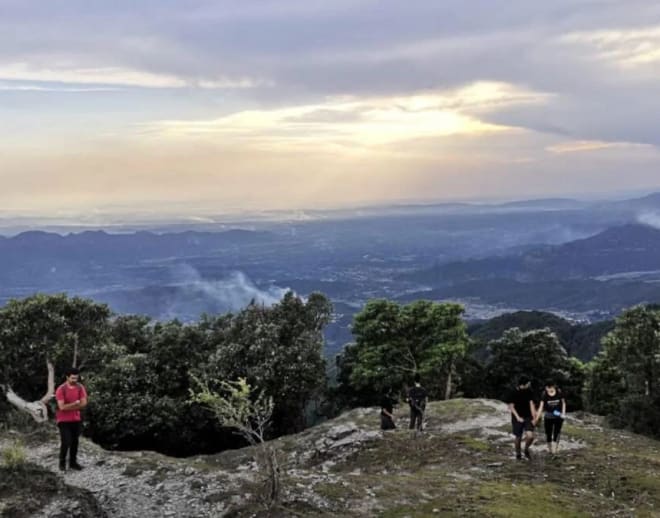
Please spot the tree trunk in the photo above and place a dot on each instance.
(75, 350)
(267, 460)
(449, 377)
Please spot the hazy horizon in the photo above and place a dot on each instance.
(127, 220)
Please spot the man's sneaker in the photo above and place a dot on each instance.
(76, 466)
(527, 454)
(518, 456)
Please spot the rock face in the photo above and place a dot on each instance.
(461, 465)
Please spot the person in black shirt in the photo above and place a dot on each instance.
(553, 409)
(386, 413)
(523, 413)
(417, 398)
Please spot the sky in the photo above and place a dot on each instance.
(221, 106)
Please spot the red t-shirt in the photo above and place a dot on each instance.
(69, 394)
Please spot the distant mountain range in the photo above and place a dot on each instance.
(596, 277)
(135, 245)
(624, 249)
(581, 259)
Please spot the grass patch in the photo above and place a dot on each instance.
(478, 445)
(13, 457)
(502, 499)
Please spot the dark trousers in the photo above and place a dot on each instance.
(69, 434)
(552, 429)
(416, 418)
(386, 422)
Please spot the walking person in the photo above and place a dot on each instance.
(417, 399)
(523, 413)
(71, 398)
(553, 409)
(387, 413)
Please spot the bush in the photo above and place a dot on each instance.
(13, 457)
(639, 414)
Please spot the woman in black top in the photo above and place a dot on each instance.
(553, 409)
(387, 413)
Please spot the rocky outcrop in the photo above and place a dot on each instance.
(462, 464)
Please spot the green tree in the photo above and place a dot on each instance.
(394, 342)
(279, 349)
(634, 346)
(66, 331)
(139, 393)
(538, 355)
(604, 386)
(623, 380)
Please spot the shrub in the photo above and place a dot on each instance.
(13, 457)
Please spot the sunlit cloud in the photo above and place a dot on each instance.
(117, 76)
(625, 47)
(369, 121)
(282, 103)
(578, 146)
(22, 87)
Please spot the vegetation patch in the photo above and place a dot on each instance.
(504, 499)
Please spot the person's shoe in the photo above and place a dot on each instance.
(62, 466)
(76, 466)
(528, 455)
(518, 456)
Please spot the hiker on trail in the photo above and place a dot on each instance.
(523, 413)
(417, 398)
(386, 413)
(553, 409)
(71, 397)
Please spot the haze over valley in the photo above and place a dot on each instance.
(584, 260)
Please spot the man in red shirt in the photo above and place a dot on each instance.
(71, 397)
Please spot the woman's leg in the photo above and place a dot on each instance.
(547, 423)
(556, 431)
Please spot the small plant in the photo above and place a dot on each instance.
(236, 406)
(13, 457)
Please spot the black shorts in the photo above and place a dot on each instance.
(520, 428)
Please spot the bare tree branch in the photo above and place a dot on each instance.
(37, 409)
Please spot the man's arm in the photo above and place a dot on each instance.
(563, 407)
(76, 405)
(69, 406)
(512, 409)
(540, 412)
(532, 407)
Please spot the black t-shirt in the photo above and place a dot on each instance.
(520, 399)
(417, 397)
(386, 404)
(552, 403)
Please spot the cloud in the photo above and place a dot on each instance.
(372, 121)
(282, 102)
(124, 77)
(22, 87)
(578, 146)
(627, 48)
